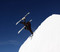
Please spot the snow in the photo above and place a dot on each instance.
(46, 38)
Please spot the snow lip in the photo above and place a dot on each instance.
(29, 41)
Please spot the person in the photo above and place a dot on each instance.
(27, 24)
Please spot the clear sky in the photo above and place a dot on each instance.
(11, 11)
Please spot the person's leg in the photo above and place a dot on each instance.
(25, 20)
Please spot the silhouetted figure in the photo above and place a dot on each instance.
(28, 25)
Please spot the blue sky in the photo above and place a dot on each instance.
(12, 11)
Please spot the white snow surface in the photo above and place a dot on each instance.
(46, 38)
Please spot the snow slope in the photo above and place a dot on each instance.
(46, 38)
